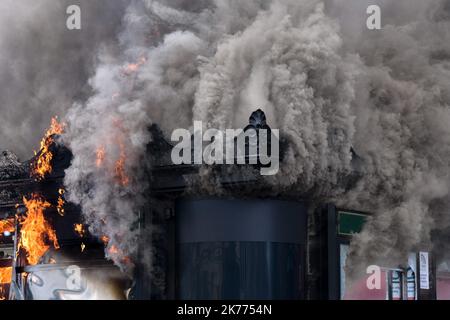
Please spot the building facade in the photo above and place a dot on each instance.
(244, 244)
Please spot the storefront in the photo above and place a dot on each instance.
(412, 280)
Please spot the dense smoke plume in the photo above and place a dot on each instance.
(44, 66)
(326, 81)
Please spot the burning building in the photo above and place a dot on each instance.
(49, 243)
(43, 235)
(363, 178)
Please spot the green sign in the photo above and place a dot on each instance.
(350, 223)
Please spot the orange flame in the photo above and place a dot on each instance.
(79, 228)
(5, 275)
(126, 260)
(105, 240)
(133, 67)
(3, 293)
(100, 156)
(35, 231)
(42, 165)
(7, 225)
(61, 202)
(119, 168)
(5, 278)
(113, 250)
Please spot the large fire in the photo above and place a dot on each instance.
(35, 231)
(42, 166)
